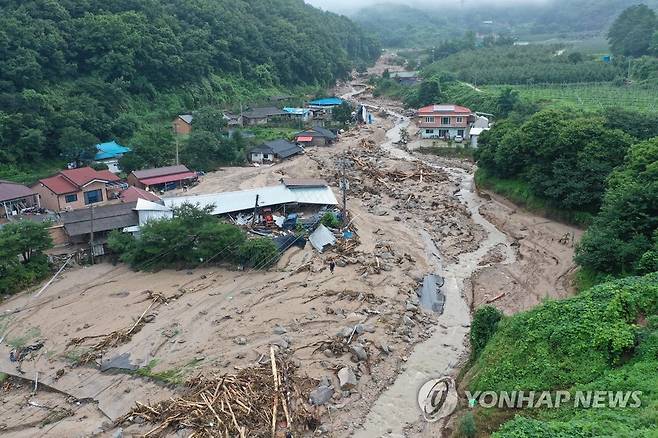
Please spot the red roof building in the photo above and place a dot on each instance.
(444, 121)
(132, 194)
(162, 177)
(74, 188)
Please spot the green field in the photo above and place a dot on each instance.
(589, 96)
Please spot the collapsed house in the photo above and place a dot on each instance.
(290, 193)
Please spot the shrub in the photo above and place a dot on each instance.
(467, 427)
(259, 253)
(330, 220)
(483, 327)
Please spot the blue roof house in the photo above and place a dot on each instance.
(109, 153)
(298, 113)
(327, 102)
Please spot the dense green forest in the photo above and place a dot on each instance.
(400, 26)
(604, 339)
(76, 72)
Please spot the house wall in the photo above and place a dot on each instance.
(133, 181)
(438, 121)
(438, 132)
(253, 122)
(54, 202)
(259, 157)
(181, 127)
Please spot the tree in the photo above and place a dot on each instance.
(152, 146)
(507, 101)
(429, 92)
(209, 119)
(575, 57)
(631, 33)
(22, 258)
(343, 113)
(78, 146)
(621, 239)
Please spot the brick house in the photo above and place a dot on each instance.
(444, 121)
(182, 124)
(74, 188)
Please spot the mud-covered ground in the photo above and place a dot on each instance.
(414, 215)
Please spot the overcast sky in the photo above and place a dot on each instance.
(353, 5)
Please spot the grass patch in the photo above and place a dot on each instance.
(172, 376)
(519, 193)
(3, 377)
(448, 152)
(74, 356)
(22, 341)
(267, 134)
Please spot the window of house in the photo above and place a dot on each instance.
(93, 196)
(429, 119)
(460, 132)
(445, 120)
(429, 131)
(71, 198)
(459, 119)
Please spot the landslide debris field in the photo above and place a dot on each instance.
(150, 353)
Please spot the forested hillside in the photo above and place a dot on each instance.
(604, 339)
(402, 26)
(75, 72)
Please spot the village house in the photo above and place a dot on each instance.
(444, 121)
(16, 198)
(480, 125)
(182, 124)
(75, 188)
(274, 150)
(162, 178)
(261, 116)
(102, 220)
(109, 154)
(316, 136)
(302, 115)
(406, 77)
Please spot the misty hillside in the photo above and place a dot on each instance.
(399, 25)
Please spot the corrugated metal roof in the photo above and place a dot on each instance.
(322, 237)
(228, 202)
(160, 171)
(187, 118)
(10, 191)
(106, 218)
(327, 101)
(297, 111)
(444, 108)
(110, 149)
(167, 178)
(303, 182)
(261, 113)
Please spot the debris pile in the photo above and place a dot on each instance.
(256, 402)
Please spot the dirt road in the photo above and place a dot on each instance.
(415, 215)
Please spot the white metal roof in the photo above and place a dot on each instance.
(477, 131)
(228, 202)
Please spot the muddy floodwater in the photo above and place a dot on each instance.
(440, 355)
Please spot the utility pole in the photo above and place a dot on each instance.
(253, 219)
(91, 242)
(177, 161)
(344, 184)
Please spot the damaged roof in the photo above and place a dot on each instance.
(229, 202)
(106, 218)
